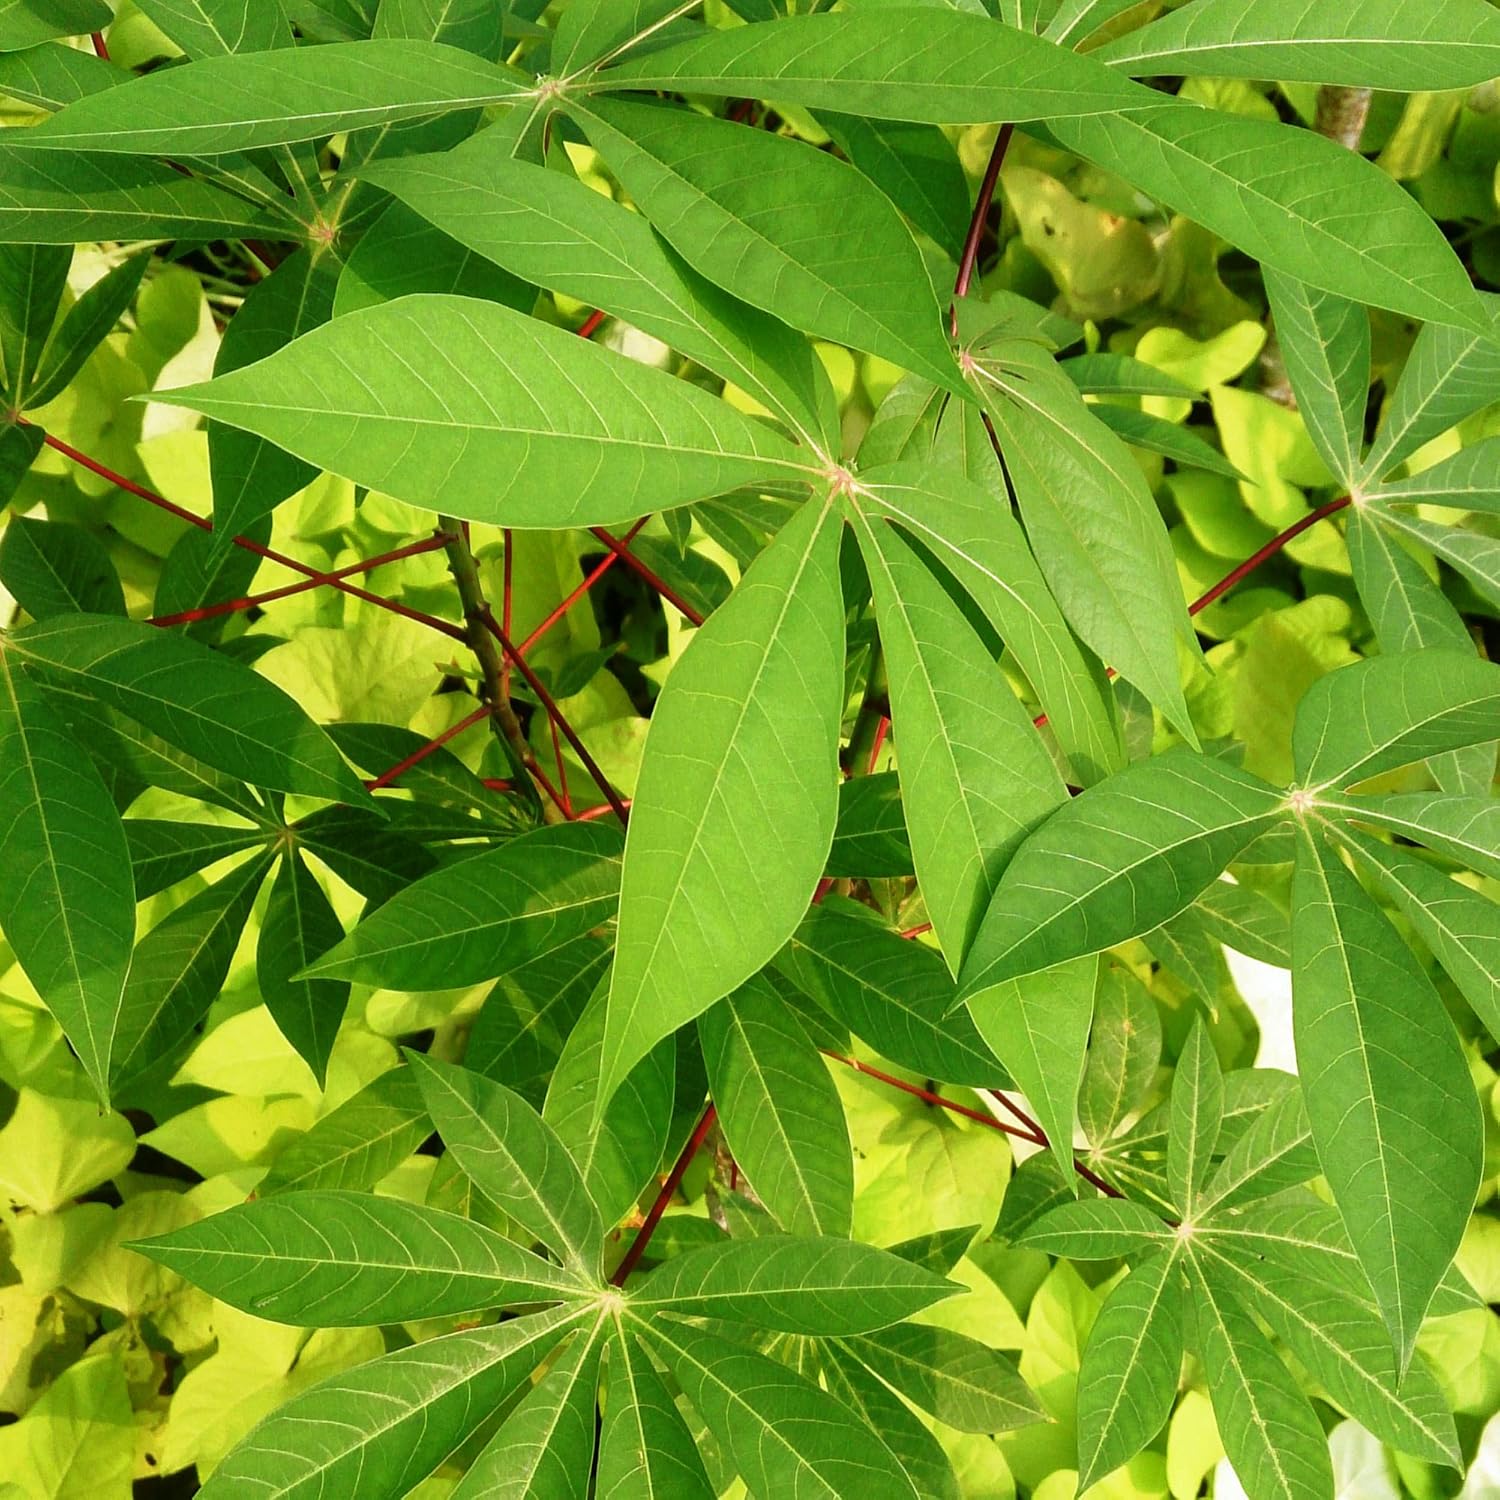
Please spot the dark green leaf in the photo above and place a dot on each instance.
(810, 1286)
(67, 907)
(1393, 1111)
(735, 806)
(1116, 862)
(514, 1158)
(300, 922)
(1127, 1381)
(398, 1416)
(779, 1110)
(53, 568)
(574, 434)
(178, 970)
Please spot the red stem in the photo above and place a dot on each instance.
(969, 259)
(417, 756)
(1271, 548)
(507, 595)
(172, 508)
(599, 570)
(101, 48)
(555, 714)
(592, 323)
(640, 569)
(253, 601)
(632, 1257)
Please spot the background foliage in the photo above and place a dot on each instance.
(290, 296)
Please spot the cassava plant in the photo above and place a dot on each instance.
(864, 1083)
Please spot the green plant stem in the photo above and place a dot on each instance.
(874, 713)
(503, 721)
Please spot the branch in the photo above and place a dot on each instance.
(969, 259)
(503, 721)
(673, 1181)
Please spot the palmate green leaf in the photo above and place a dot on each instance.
(84, 328)
(915, 166)
(1471, 553)
(532, 1010)
(383, 1426)
(32, 279)
(1465, 480)
(1038, 1026)
(1449, 374)
(67, 908)
(1393, 1111)
(1389, 711)
(551, 431)
(870, 839)
(551, 229)
(1295, 201)
(1275, 1153)
(1410, 612)
(59, 198)
(365, 852)
(300, 923)
(894, 994)
(470, 921)
(735, 806)
(473, 25)
(904, 63)
(783, 1434)
(1075, 20)
(811, 1286)
(902, 1431)
(52, 568)
(619, 1156)
(1325, 341)
(779, 1110)
(1270, 1431)
(1383, 44)
(339, 1260)
(162, 852)
(963, 1383)
(1156, 435)
(356, 1144)
(401, 255)
(514, 1158)
(53, 74)
(1097, 1229)
(178, 970)
(593, 29)
(198, 700)
(1124, 1050)
(1127, 1380)
(1343, 1345)
(975, 775)
(1460, 926)
(984, 548)
(1122, 375)
(1116, 862)
(219, 105)
(19, 447)
(250, 475)
(1247, 920)
(1090, 519)
(1466, 829)
(645, 1449)
(782, 226)
(210, 28)
(545, 1447)
(131, 757)
(1197, 1114)
(24, 23)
